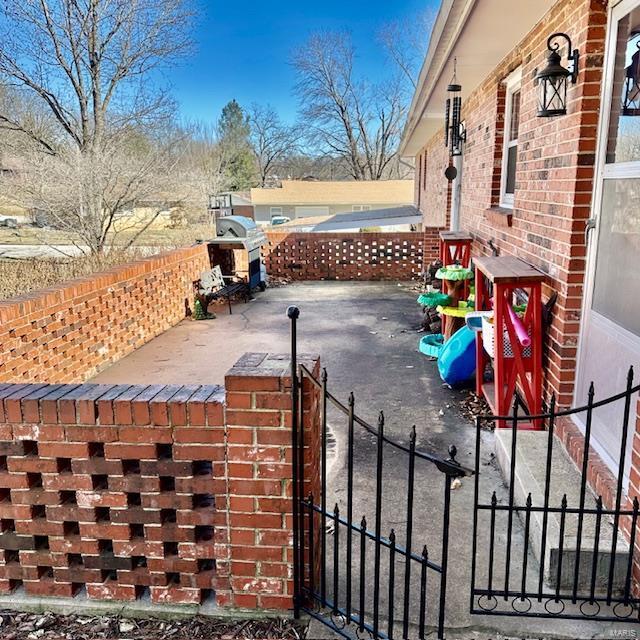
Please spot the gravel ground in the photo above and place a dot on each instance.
(48, 626)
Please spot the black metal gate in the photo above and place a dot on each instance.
(554, 549)
(353, 578)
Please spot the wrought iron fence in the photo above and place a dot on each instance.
(339, 557)
(584, 548)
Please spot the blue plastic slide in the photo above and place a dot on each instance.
(457, 359)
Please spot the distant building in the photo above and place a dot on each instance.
(305, 199)
(407, 218)
(231, 203)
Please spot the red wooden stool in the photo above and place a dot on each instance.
(455, 248)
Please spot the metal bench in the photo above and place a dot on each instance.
(214, 285)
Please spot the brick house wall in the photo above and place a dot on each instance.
(350, 256)
(433, 190)
(184, 492)
(553, 198)
(554, 175)
(69, 332)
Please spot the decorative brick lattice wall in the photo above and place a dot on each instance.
(111, 488)
(350, 256)
(69, 332)
(177, 491)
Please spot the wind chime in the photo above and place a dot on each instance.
(454, 132)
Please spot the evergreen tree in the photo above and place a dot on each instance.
(239, 164)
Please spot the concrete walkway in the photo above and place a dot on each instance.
(366, 335)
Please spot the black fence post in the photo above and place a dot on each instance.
(444, 560)
(293, 313)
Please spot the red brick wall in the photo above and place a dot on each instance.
(69, 332)
(177, 490)
(634, 493)
(554, 174)
(350, 256)
(259, 458)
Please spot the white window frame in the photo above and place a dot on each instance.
(275, 211)
(513, 84)
(361, 207)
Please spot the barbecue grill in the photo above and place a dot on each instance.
(236, 248)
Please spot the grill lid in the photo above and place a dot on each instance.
(239, 229)
(235, 227)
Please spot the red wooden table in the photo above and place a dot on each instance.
(521, 372)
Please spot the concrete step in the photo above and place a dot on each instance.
(531, 455)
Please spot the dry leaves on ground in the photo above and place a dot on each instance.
(471, 406)
(49, 626)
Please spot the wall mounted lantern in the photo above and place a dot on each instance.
(554, 79)
(454, 133)
(631, 97)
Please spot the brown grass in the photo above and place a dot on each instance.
(20, 276)
(168, 238)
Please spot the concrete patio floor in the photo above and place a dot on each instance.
(366, 335)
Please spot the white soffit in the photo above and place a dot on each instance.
(479, 33)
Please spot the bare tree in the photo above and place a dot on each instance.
(86, 65)
(204, 163)
(405, 41)
(135, 179)
(271, 140)
(358, 121)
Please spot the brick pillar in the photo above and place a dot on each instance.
(258, 419)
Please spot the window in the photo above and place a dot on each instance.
(510, 143)
(276, 211)
(361, 207)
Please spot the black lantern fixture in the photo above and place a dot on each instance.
(554, 79)
(631, 96)
(454, 133)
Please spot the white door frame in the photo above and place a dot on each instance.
(602, 172)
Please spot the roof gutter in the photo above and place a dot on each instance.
(448, 24)
(480, 34)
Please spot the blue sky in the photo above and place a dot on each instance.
(243, 48)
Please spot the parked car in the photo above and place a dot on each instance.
(279, 220)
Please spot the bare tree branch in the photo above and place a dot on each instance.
(271, 140)
(83, 65)
(359, 121)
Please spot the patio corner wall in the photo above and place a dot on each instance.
(69, 332)
(350, 256)
(181, 492)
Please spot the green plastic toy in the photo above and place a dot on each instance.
(454, 272)
(433, 299)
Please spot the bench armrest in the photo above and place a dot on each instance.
(241, 280)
